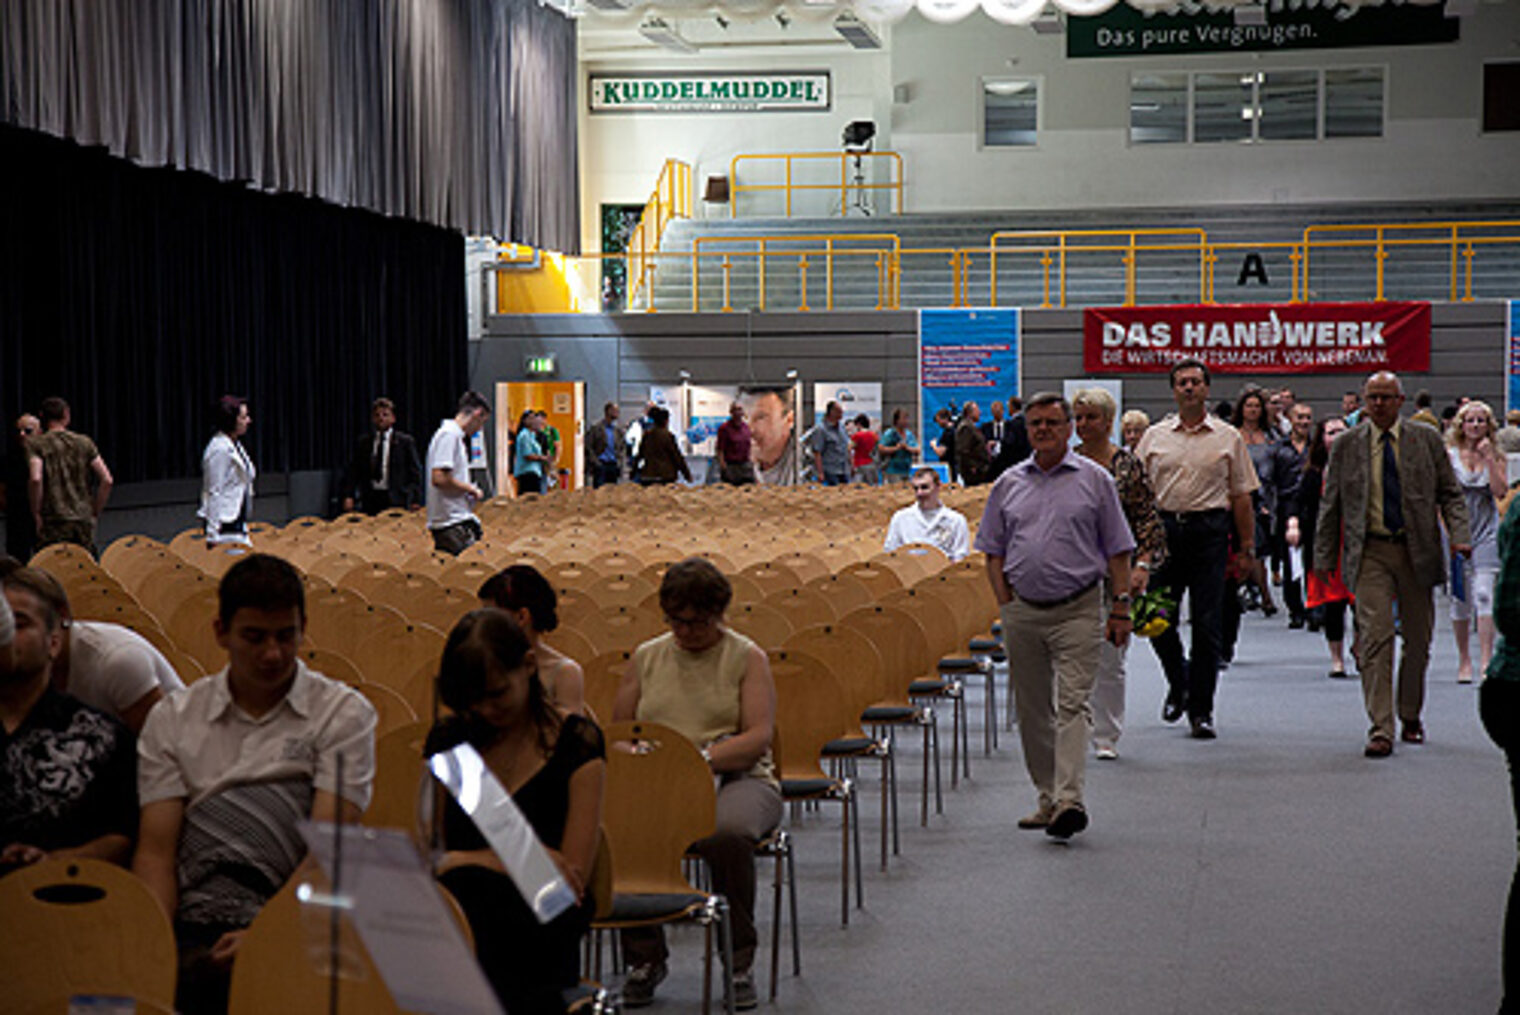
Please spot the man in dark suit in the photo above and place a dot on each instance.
(606, 447)
(385, 471)
(1007, 440)
(1389, 484)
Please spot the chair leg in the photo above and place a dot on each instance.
(955, 737)
(844, 857)
(990, 731)
(854, 806)
(782, 848)
(939, 799)
(891, 766)
(923, 795)
(726, 939)
(964, 708)
(791, 891)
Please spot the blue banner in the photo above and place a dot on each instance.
(964, 356)
(1512, 333)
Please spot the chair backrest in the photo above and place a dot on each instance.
(844, 592)
(972, 611)
(771, 577)
(391, 709)
(330, 664)
(854, 661)
(933, 616)
(398, 784)
(659, 799)
(82, 927)
(765, 625)
(618, 627)
(619, 589)
(441, 610)
(335, 564)
(806, 566)
(880, 580)
(616, 562)
(904, 650)
(405, 592)
(571, 642)
(811, 709)
(192, 630)
(332, 617)
(391, 654)
(571, 574)
(603, 674)
(802, 606)
(466, 575)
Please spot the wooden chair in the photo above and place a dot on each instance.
(391, 654)
(441, 610)
(765, 625)
(810, 706)
(192, 630)
(572, 574)
(843, 592)
(274, 971)
(619, 590)
(570, 642)
(405, 592)
(937, 620)
(603, 675)
(335, 565)
(880, 580)
(905, 657)
(391, 709)
(467, 575)
(659, 799)
(332, 618)
(801, 606)
(82, 927)
(129, 552)
(772, 577)
(163, 589)
(618, 627)
(805, 565)
(616, 562)
(331, 664)
(400, 780)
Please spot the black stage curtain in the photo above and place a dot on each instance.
(141, 295)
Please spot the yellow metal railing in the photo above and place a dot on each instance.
(672, 199)
(1461, 238)
(883, 248)
(852, 188)
(1054, 249)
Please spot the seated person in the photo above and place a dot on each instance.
(927, 521)
(530, 600)
(107, 666)
(68, 783)
(552, 762)
(713, 685)
(229, 766)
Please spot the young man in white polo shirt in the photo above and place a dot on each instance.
(928, 521)
(228, 767)
(451, 496)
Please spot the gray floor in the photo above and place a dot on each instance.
(1272, 870)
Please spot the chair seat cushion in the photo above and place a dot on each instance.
(927, 685)
(848, 745)
(888, 713)
(959, 664)
(638, 908)
(799, 789)
(984, 645)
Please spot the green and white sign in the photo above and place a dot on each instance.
(1124, 31)
(798, 91)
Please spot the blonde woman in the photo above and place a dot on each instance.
(1482, 471)
(1132, 426)
(1092, 411)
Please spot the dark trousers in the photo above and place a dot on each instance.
(1499, 706)
(457, 538)
(1332, 617)
(529, 482)
(1198, 545)
(373, 501)
(603, 473)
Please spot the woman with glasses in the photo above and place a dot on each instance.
(713, 685)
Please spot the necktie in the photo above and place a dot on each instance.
(1393, 507)
(375, 463)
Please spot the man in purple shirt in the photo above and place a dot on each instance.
(734, 463)
(1052, 528)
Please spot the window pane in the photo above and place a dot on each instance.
(1289, 106)
(1501, 83)
(1157, 108)
(1222, 107)
(1010, 110)
(1354, 102)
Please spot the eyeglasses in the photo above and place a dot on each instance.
(693, 623)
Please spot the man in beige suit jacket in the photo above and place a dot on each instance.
(1388, 485)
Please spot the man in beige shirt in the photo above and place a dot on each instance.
(1203, 478)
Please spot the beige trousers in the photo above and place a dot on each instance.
(1386, 576)
(1053, 659)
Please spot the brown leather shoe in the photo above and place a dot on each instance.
(1378, 747)
(1413, 733)
(1040, 818)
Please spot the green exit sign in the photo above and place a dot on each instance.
(540, 366)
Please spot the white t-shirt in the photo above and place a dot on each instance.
(944, 528)
(449, 449)
(112, 667)
(198, 742)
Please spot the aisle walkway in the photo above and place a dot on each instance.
(1272, 870)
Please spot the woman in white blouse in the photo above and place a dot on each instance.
(227, 475)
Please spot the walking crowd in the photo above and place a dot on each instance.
(1214, 509)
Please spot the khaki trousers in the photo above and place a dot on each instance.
(1053, 658)
(1387, 576)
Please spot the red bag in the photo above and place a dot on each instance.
(1318, 592)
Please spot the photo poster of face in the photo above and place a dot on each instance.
(854, 398)
(771, 410)
(1114, 387)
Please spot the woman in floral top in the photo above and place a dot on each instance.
(1093, 411)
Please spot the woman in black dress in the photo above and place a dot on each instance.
(553, 765)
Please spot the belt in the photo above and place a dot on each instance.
(1050, 604)
(1397, 538)
(1183, 517)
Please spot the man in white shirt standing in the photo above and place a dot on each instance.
(928, 521)
(451, 496)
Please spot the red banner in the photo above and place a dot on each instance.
(1259, 338)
